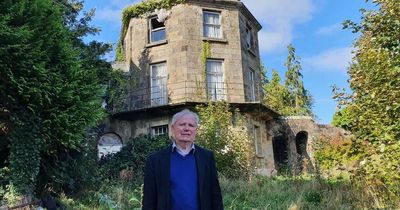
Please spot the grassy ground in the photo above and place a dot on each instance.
(260, 193)
(287, 193)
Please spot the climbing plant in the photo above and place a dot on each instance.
(205, 54)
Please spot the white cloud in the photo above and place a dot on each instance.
(278, 18)
(326, 30)
(336, 59)
(109, 15)
(274, 40)
(112, 12)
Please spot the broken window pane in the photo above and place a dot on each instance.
(157, 30)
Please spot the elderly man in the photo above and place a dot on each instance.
(182, 176)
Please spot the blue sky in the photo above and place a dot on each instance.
(314, 27)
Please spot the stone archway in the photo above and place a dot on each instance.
(109, 143)
(301, 149)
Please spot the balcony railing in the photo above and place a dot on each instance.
(179, 92)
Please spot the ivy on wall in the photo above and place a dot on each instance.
(140, 10)
(205, 53)
(119, 52)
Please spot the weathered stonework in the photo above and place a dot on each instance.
(278, 141)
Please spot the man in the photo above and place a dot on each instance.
(182, 176)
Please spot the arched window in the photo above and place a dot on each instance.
(301, 147)
(301, 143)
(109, 143)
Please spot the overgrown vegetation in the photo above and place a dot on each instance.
(117, 179)
(50, 93)
(51, 97)
(372, 111)
(259, 193)
(225, 133)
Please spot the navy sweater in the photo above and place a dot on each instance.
(183, 180)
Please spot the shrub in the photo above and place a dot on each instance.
(132, 157)
(224, 132)
(336, 153)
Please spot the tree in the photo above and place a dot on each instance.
(291, 98)
(53, 92)
(299, 99)
(276, 94)
(373, 113)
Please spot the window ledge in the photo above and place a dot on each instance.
(152, 44)
(215, 39)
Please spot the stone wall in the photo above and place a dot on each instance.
(182, 50)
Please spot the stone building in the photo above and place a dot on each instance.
(197, 51)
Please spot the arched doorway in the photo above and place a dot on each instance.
(281, 156)
(301, 148)
(109, 143)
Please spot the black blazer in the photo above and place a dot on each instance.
(156, 195)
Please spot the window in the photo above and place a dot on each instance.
(109, 143)
(158, 84)
(215, 80)
(252, 95)
(157, 30)
(258, 141)
(249, 39)
(212, 24)
(159, 130)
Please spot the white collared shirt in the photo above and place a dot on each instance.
(182, 152)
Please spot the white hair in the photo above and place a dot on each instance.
(183, 113)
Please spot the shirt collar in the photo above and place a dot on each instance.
(175, 148)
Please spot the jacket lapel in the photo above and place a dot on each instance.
(200, 162)
(164, 173)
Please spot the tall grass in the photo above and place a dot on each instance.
(288, 193)
(259, 193)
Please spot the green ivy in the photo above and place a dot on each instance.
(205, 53)
(25, 152)
(120, 56)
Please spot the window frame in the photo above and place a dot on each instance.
(163, 100)
(252, 84)
(250, 42)
(151, 30)
(219, 87)
(164, 130)
(219, 25)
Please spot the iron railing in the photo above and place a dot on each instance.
(180, 92)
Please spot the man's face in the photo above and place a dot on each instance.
(184, 129)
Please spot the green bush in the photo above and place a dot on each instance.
(132, 157)
(224, 132)
(332, 153)
(117, 182)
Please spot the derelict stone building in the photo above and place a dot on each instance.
(197, 51)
